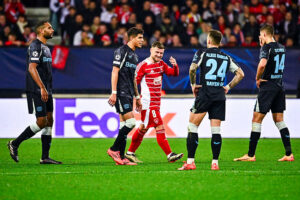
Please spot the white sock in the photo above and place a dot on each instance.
(129, 152)
(215, 161)
(190, 160)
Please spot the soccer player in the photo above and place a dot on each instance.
(271, 95)
(210, 95)
(39, 94)
(149, 75)
(124, 87)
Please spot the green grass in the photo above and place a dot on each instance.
(88, 173)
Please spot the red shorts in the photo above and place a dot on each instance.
(151, 118)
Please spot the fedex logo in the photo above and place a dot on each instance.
(82, 119)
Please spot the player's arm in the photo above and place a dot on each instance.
(171, 71)
(114, 81)
(197, 59)
(263, 56)
(139, 73)
(239, 75)
(37, 79)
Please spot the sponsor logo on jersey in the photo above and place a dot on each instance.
(45, 59)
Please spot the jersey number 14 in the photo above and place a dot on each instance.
(279, 63)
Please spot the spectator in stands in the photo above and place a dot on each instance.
(244, 16)
(108, 14)
(289, 42)
(148, 26)
(145, 12)
(175, 12)
(165, 12)
(176, 41)
(288, 27)
(95, 25)
(21, 23)
(221, 25)
(231, 15)
(102, 38)
(124, 13)
(78, 40)
(238, 33)
(5, 33)
(28, 35)
(13, 8)
(187, 7)
(226, 36)
(167, 27)
(194, 42)
(232, 41)
(163, 39)
(249, 42)
(75, 27)
(131, 21)
(206, 27)
(155, 37)
(68, 26)
(190, 31)
(193, 16)
(251, 28)
(12, 41)
(262, 17)
(255, 7)
(84, 10)
(120, 37)
(90, 12)
(211, 15)
(86, 39)
(113, 26)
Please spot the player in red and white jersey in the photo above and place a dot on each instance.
(149, 75)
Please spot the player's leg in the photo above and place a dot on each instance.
(216, 142)
(136, 141)
(41, 121)
(285, 136)
(192, 139)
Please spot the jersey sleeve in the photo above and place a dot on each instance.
(233, 66)
(118, 58)
(139, 72)
(264, 52)
(35, 53)
(169, 71)
(197, 57)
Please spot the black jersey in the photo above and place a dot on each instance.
(213, 65)
(126, 60)
(39, 53)
(275, 54)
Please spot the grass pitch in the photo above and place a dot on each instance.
(88, 173)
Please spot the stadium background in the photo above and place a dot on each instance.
(86, 34)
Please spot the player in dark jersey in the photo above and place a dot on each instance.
(124, 87)
(271, 95)
(39, 94)
(210, 95)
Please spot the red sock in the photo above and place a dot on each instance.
(137, 139)
(163, 142)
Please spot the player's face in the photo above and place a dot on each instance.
(48, 31)
(262, 37)
(157, 54)
(138, 40)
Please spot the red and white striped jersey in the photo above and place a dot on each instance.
(149, 75)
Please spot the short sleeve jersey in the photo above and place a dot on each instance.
(125, 59)
(275, 55)
(214, 65)
(40, 54)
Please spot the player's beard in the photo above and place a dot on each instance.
(48, 36)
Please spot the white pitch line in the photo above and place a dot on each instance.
(152, 172)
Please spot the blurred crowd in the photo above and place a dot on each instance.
(176, 23)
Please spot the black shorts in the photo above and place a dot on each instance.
(270, 99)
(124, 104)
(37, 106)
(215, 109)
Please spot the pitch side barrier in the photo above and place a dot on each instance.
(94, 118)
(88, 70)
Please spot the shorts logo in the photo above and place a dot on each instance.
(126, 106)
(35, 53)
(155, 121)
(39, 108)
(117, 57)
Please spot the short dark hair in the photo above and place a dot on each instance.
(268, 29)
(134, 32)
(39, 26)
(158, 45)
(216, 36)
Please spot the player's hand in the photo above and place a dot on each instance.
(173, 61)
(138, 106)
(195, 89)
(44, 95)
(112, 100)
(258, 82)
(226, 89)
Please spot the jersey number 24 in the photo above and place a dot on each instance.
(221, 71)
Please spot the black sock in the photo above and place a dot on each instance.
(46, 143)
(120, 142)
(285, 137)
(253, 142)
(26, 134)
(192, 144)
(216, 143)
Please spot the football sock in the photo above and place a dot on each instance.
(216, 143)
(190, 160)
(255, 135)
(162, 141)
(215, 161)
(192, 144)
(120, 142)
(46, 139)
(137, 139)
(285, 137)
(26, 134)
